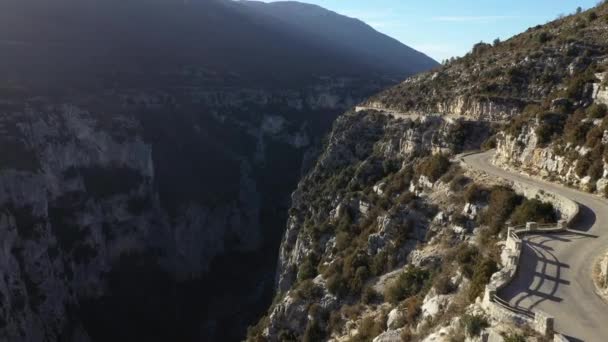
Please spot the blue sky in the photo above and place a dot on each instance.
(445, 28)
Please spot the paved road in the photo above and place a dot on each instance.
(555, 273)
(413, 117)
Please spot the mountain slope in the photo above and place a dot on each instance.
(503, 79)
(372, 48)
(149, 150)
(94, 37)
(390, 238)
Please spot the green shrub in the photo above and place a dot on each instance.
(356, 270)
(543, 37)
(582, 167)
(480, 48)
(313, 332)
(501, 205)
(551, 126)
(308, 268)
(533, 211)
(467, 256)
(596, 170)
(515, 338)
(408, 284)
(474, 324)
(475, 194)
(578, 134)
(597, 111)
(594, 137)
(481, 276)
(378, 264)
(308, 290)
(391, 166)
(459, 183)
(455, 171)
(576, 85)
(361, 275)
(413, 307)
(474, 266)
(434, 167)
(368, 329)
(592, 16)
(337, 285)
(342, 239)
(443, 285)
(369, 295)
(345, 220)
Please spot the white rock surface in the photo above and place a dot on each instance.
(395, 319)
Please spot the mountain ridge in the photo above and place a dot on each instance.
(347, 33)
(253, 45)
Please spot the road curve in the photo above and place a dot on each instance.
(555, 273)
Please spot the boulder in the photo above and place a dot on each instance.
(434, 304)
(395, 319)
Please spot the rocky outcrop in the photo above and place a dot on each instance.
(561, 160)
(474, 108)
(600, 90)
(354, 137)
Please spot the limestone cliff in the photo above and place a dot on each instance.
(575, 158)
(99, 203)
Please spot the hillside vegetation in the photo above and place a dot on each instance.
(389, 239)
(523, 70)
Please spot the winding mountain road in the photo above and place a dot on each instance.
(555, 273)
(413, 116)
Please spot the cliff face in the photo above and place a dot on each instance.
(364, 214)
(361, 143)
(575, 158)
(61, 216)
(160, 194)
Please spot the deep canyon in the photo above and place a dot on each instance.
(146, 173)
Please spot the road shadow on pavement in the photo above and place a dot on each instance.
(573, 339)
(540, 276)
(584, 220)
